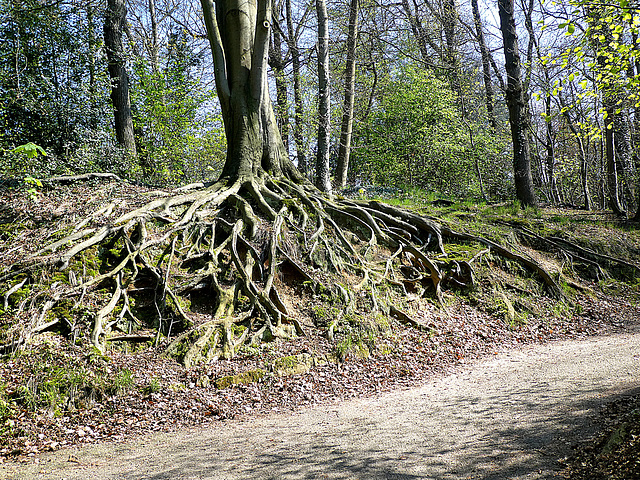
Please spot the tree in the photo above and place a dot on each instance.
(115, 19)
(349, 84)
(229, 250)
(518, 112)
(486, 67)
(53, 83)
(323, 181)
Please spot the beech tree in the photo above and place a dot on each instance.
(518, 113)
(113, 27)
(349, 95)
(212, 262)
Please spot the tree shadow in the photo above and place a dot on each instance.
(480, 442)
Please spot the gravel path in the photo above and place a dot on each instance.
(509, 417)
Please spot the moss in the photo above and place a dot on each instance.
(243, 378)
(323, 314)
(292, 364)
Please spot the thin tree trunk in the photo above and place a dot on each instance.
(113, 25)
(582, 159)
(612, 170)
(349, 94)
(584, 174)
(282, 108)
(551, 157)
(449, 24)
(323, 181)
(154, 47)
(518, 112)
(417, 29)
(297, 93)
(93, 93)
(623, 154)
(486, 66)
(600, 42)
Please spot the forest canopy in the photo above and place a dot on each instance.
(435, 70)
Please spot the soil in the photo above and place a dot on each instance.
(513, 413)
(513, 416)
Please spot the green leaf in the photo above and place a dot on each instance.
(30, 149)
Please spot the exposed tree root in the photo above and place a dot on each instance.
(576, 253)
(206, 267)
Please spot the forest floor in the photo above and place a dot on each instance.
(140, 391)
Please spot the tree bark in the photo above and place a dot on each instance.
(486, 66)
(609, 101)
(449, 24)
(612, 169)
(518, 113)
(239, 34)
(344, 151)
(113, 26)
(323, 181)
(282, 107)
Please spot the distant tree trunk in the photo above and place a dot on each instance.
(282, 107)
(449, 24)
(298, 136)
(349, 94)
(584, 174)
(612, 168)
(601, 44)
(551, 156)
(486, 66)
(93, 93)
(323, 181)
(417, 29)
(582, 159)
(154, 47)
(518, 112)
(113, 25)
(622, 144)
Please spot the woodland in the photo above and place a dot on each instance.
(204, 206)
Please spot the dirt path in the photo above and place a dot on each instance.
(510, 417)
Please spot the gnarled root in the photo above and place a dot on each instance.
(210, 267)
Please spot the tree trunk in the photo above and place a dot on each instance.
(93, 91)
(417, 29)
(623, 154)
(518, 113)
(282, 108)
(154, 47)
(349, 94)
(449, 24)
(298, 136)
(584, 174)
(113, 25)
(551, 156)
(239, 34)
(323, 181)
(600, 42)
(612, 170)
(486, 66)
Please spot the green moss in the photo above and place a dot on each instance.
(323, 314)
(292, 364)
(243, 378)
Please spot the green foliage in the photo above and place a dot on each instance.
(415, 138)
(52, 76)
(177, 142)
(154, 386)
